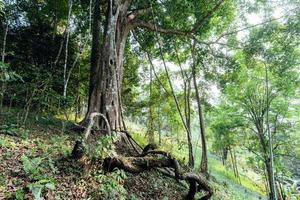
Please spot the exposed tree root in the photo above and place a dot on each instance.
(146, 159)
(125, 136)
(160, 159)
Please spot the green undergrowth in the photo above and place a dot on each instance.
(39, 152)
(35, 164)
(39, 167)
(245, 189)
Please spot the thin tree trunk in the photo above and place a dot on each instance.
(27, 107)
(150, 128)
(60, 49)
(187, 128)
(267, 187)
(273, 194)
(159, 122)
(65, 83)
(189, 135)
(172, 93)
(67, 78)
(3, 86)
(236, 167)
(204, 163)
(187, 107)
(224, 155)
(187, 92)
(159, 132)
(77, 104)
(232, 162)
(4, 43)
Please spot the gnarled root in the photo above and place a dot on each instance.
(160, 159)
(147, 159)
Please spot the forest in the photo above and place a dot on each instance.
(150, 99)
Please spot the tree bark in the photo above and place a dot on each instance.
(266, 158)
(107, 61)
(111, 24)
(94, 89)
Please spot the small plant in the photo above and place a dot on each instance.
(20, 194)
(4, 142)
(24, 133)
(9, 129)
(2, 180)
(60, 144)
(103, 148)
(132, 197)
(112, 185)
(38, 187)
(52, 166)
(15, 130)
(32, 166)
(6, 74)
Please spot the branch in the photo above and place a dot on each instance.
(199, 24)
(153, 27)
(252, 26)
(133, 14)
(151, 64)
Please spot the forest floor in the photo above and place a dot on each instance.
(35, 163)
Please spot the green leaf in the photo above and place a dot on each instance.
(36, 190)
(20, 194)
(50, 186)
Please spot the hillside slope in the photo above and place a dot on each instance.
(35, 163)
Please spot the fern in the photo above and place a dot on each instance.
(32, 166)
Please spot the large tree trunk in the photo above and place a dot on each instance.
(107, 61)
(94, 91)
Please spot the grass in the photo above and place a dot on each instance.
(223, 174)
